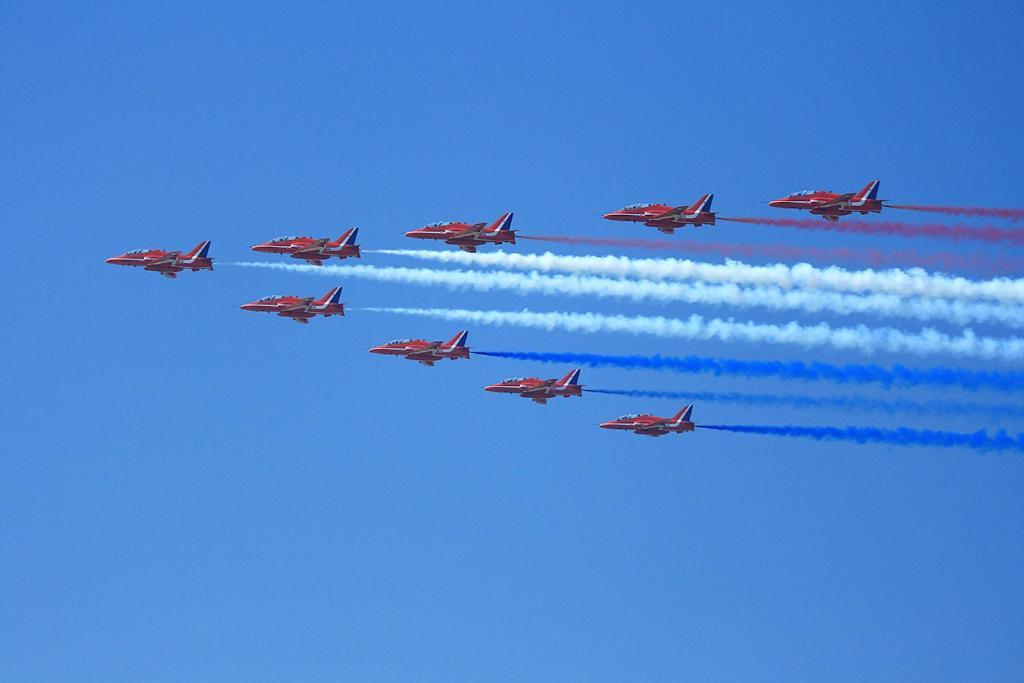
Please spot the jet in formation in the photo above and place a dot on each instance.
(667, 218)
(831, 205)
(312, 250)
(299, 308)
(426, 352)
(167, 263)
(652, 425)
(468, 237)
(540, 390)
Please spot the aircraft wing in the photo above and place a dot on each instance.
(467, 237)
(837, 202)
(423, 355)
(307, 253)
(653, 430)
(539, 392)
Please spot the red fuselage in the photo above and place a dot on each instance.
(649, 425)
(468, 236)
(312, 250)
(300, 309)
(423, 351)
(667, 218)
(831, 205)
(534, 388)
(167, 263)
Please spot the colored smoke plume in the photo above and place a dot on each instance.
(859, 338)
(957, 233)
(912, 282)
(888, 377)
(980, 440)
(850, 403)
(965, 211)
(875, 258)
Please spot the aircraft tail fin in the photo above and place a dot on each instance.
(702, 205)
(459, 340)
(331, 297)
(348, 238)
(199, 251)
(870, 191)
(683, 415)
(572, 378)
(503, 224)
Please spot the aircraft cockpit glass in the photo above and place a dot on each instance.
(639, 206)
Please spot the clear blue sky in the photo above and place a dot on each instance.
(190, 492)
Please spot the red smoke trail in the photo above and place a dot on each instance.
(982, 265)
(956, 233)
(967, 211)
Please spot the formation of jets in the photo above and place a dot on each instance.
(468, 237)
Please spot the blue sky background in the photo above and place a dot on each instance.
(190, 492)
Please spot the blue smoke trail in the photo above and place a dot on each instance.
(903, 437)
(852, 403)
(897, 375)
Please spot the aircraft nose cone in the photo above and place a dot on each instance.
(775, 202)
(605, 425)
(259, 247)
(377, 349)
(248, 307)
(112, 259)
(491, 387)
(413, 233)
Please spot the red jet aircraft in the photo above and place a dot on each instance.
(426, 352)
(468, 237)
(830, 205)
(299, 308)
(652, 425)
(540, 390)
(312, 250)
(667, 218)
(167, 263)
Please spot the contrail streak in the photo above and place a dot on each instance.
(851, 403)
(942, 261)
(903, 283)
(956, 233)
(885, 305)
(903, 437)
(967, 211)
(860, 338)
(888, 377)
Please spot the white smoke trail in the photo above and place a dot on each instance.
(885, 305)
(910, 282)
(858, 338)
